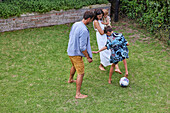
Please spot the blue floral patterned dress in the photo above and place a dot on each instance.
(117, 44)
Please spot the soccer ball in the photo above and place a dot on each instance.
(124, 82)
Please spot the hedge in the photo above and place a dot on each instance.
(10, 8)
(152, 14)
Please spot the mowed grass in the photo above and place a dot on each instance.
(34, 70)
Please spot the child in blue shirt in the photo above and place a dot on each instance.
(119, 51)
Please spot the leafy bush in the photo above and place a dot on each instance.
(152, 14)
(10, 8)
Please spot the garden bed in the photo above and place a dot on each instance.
(32, 20)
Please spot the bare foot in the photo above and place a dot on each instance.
(126, 75)
(101, 68)
(118, 71)
(110, 81)
(80, 96)
(71, 81)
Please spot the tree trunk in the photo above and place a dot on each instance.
(114, 10)
(112, 7)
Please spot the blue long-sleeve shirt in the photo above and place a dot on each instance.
(79, 40)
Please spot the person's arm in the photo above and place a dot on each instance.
(105, 23)
(104, 48)
(97, 26)
(83, 45)
(125, 41)
(87, 56)
(108, 20)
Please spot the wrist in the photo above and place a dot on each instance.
(87, 57)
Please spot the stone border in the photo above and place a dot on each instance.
(33, 20)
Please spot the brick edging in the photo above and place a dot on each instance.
(51, 18)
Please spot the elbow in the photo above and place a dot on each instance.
(127, 44)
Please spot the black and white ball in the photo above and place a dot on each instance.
(124, 82)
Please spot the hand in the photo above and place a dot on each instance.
(94, 52)
(89, 60)
(102, 22)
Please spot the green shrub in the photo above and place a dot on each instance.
(10, 8)
(151, 14)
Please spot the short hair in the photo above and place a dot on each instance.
(97, 12)
(108, 28)
(88, 14)
(105, 11)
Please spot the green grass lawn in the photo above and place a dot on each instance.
(34, 70)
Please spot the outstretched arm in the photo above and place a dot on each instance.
(99, 50)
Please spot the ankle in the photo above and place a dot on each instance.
(77, 94)
(101, 65)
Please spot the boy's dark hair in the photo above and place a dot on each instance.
(88, 14)
(108, 28)
(97, 12)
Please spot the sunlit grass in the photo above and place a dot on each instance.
(34, 69)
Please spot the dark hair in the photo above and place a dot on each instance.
(88, 14)
(97, 12)
(107, 28)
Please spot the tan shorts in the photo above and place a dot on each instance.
(77, 62)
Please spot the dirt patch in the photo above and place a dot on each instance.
(135, 32)
(127, 26)
(131, 31)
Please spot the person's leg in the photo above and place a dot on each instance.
(126, 69)
(110, 73)
(101, 67)
(117, 69)
(79, 66)
(72, 72)
(78, 86)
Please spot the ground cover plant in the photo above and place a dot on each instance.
(34, 70)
